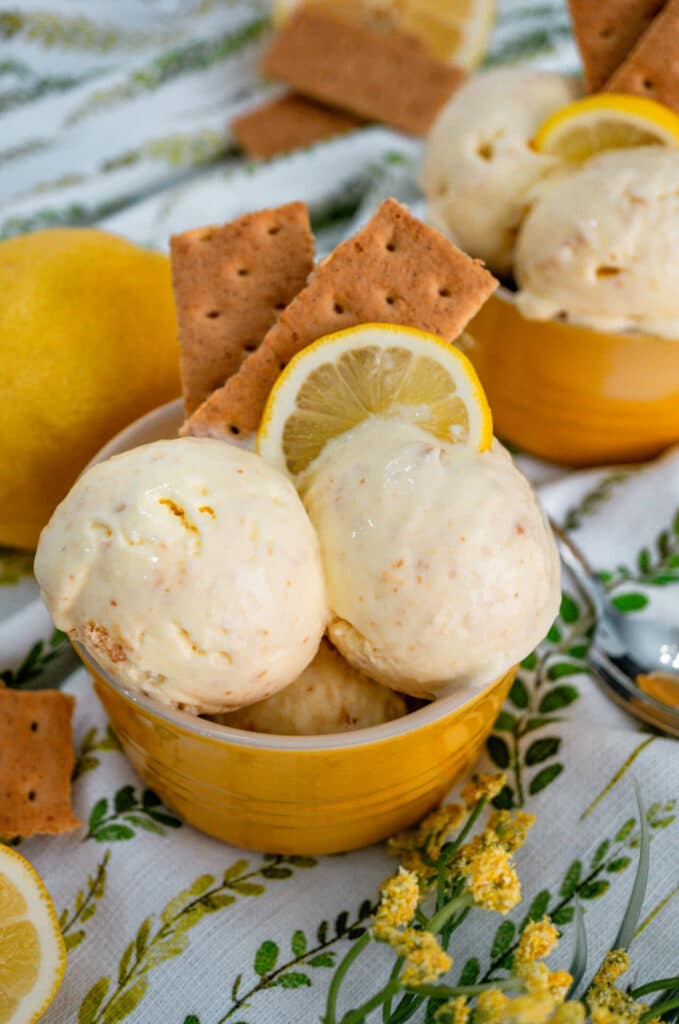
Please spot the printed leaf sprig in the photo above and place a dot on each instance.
(36, 661)
(85, 905)
(656, 566)
(542, 689)
(159, 939)
(91, 744)
(108, 824)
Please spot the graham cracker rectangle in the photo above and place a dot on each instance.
(606, 31)
(287, 123)
(651, 68)
(230, 283)
(396, 270)
(36, 762)
(380, 75)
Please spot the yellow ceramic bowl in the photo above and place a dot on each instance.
(575, 395)
(294, 794)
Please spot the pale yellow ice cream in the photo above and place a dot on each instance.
(441, 569)
(330, 696)
(478, 164)
(189, 570)
(599, 246)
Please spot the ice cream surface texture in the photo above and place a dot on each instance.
(478, 164)
(440, 566)
(329, 697)
(599, 246)
(189, 570)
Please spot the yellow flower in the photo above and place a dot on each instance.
(480, 786)
(414, 862)
(511, 829)
(493, 881)
(529, 1009)
(569, 1013)
(615, 964)
(491, 1007)
(538, 940)
(454, 1011)
(425, 961)
(399, 898)
(559, 983)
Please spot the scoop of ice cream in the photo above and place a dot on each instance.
(599, 246)
(330, 696)
(189, 570)
(478, 164)
(440, 566)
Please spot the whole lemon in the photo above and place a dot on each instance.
(88, 343)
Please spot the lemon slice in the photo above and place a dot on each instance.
(606, 121)
(454, 30)
(384, 370)
(32, 951)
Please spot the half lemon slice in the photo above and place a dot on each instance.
(606, 121)
(32, 951)
(383, 370)
(454, 30)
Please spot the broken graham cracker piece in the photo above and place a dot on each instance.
(380, 75)
(230, 283)
(395, 270)
(651, 69)
(36, 762)
(289, 122)
(606, 31)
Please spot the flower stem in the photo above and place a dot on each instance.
(442, 916)
(395, 971)
(358, 1015)
(339, 975)
(654, 986)
(659, 1009)
(449, 991)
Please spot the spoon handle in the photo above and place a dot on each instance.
(576, 561)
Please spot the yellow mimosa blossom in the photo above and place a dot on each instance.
(399, 898)
(568, 1013)
(493, 881)
(491, 1007)
(529, 1009)
(425, 961)
(413, 861)
(538, 940)
(559, 983)
(480, 786)
(615, 964)
(511, 829)
(430, 834)
(454, 1011)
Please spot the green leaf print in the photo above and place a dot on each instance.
(558, 698)
(593, 890)
(470, 972)
(41, 654)
(544, 778)
(505, 722)
(129, 809)
(266, 958)
(298, 943)
(498, 751)
(295, 979)
(126, 1002)
(542, 750)
(518, 694)
(504, 936)
(592, 501)
(85, 905)
(90, 745)
(630, 602)
(93, 1000)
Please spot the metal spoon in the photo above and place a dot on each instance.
(625, 648)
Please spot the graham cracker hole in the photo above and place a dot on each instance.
(485, 150)
(34, 726)
(279, 305)
(213, 314)
(390, 300)
(391, 247)
(243, 271)
(338, 308)
(281, 366)
(274, 230)
(31, 794)
(444, 293)
(234, 429)
(250, 348)
(606, 33)
(647, 84)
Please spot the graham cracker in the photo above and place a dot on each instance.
(395, 270)
(380, 75)
(606, 31)
(652, 67)
(36, 762)
(289, 122)
(230, 283)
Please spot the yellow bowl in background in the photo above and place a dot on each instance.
(572, 394)
(294, 794)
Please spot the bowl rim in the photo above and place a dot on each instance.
(413, 721)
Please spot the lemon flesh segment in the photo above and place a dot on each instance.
(32, 951)
(453, 30)
(606, 121)
(373, 370)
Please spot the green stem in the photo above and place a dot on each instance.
(510, 984)
(339, 975)
(659, 1009)
(452, 847)
(358, 1015)
(395, 971)
(654, 986)
(77, 914)
(442, 916)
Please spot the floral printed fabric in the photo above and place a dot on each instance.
(112, 113)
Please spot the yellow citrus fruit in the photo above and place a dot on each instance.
(454, 30)
(606, 121)
(371, 370)
(88, 343)
(32, 951)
